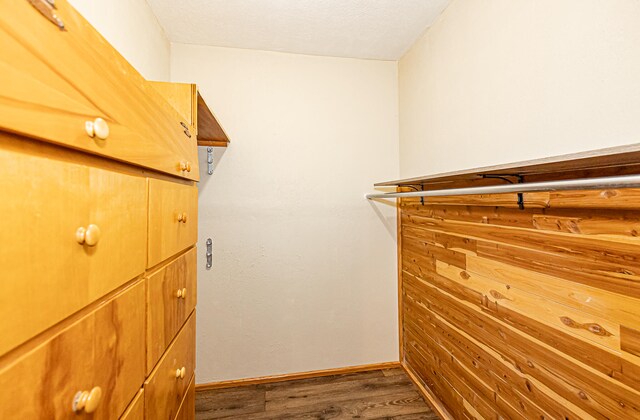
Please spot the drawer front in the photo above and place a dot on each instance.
(171, 297)
(45, 202)
(164, 390)
(169, 231)
(187, 410)
(135, 411)
(103, 349)
(118, 205)
(51, 88)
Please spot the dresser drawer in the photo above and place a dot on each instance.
(104, 349)
(187, 410)
(135, 411)
(173, 219)
(54, 82)
(49, 274)
(166, 386)
(171, 297)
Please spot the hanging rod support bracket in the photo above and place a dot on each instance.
(506, 178)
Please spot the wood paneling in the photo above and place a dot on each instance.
(103, 349)
(524, 313)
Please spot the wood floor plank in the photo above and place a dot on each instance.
(381, 394)
(296, 396)
(325, 380)
(376, 407)
(230, 402)
(393, 372)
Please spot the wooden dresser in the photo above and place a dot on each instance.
(99, 226)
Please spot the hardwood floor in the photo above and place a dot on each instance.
(378, 394)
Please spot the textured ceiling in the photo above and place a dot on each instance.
(376, 29)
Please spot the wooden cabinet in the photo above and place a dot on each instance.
(188, 102)
(171, 297)
(169, 381)
(103, 349)
(173, 219)
(46, 203)
(55, 82)
(99, 205)
(135, 411)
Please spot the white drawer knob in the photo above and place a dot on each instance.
(97, 128)
(89, 236)
(87, 400)
(180, 373)
(184, 293)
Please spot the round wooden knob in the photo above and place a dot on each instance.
(179, 293)
(180, 217)
(97, 128)
(87, 400)
(188, 166)
(184, 217)
(184, 293)
(93, 400)
(89, 236)
(183, 166)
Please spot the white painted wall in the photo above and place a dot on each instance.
(497, 81)
(304, 273)
(132, 28)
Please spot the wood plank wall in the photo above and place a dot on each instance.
(529, 313)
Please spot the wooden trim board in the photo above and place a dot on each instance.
(620, 156)
(210, 132)
(432, 400)
(294, 376)
(399, 245)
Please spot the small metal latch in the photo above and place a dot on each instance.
(210, 160)
(209, 253)
(47, 8)
(186, 129)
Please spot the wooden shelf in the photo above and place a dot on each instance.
(187, 101)
(620, 160)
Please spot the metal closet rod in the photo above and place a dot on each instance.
(624, 181)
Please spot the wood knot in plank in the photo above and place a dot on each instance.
(497, 295)
(608, 193)
(592, 327)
